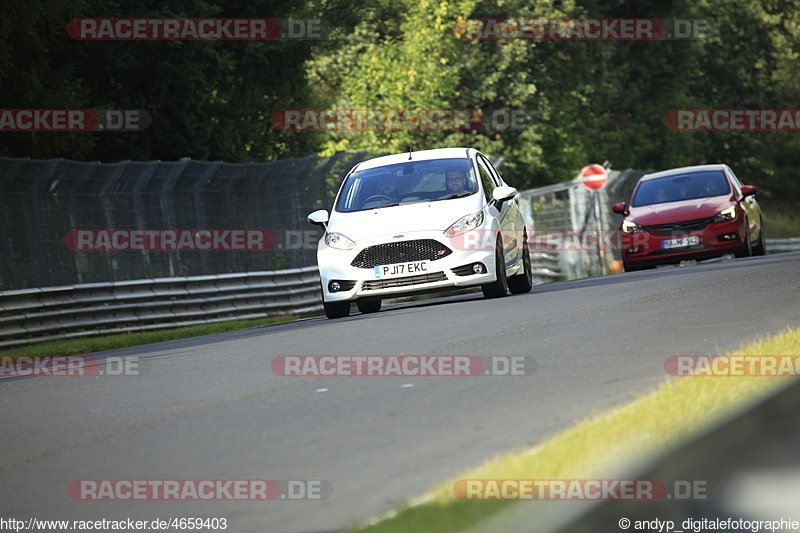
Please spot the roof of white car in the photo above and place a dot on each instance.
(422, 155)
(682, 170)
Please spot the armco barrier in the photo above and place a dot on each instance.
(51, 313)
(35, 315)
(783, 245)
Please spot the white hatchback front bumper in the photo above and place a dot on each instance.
(361, 282)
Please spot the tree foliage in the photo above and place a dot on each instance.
(589, 100)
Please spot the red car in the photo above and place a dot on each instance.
(690, 213)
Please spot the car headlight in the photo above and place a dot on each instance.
(630, 227)
(465, 224)
(338, 241)
(727, 215)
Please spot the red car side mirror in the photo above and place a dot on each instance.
(619, 208)
(748, 190)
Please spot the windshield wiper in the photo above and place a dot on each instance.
(458, 195)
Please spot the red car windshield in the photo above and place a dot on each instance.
(679, 187)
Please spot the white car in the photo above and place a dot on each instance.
(421, 222)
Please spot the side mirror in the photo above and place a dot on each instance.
(748, 190)
(619, 208)
(319, 218)
(503, 193)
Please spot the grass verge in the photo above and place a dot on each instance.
(125, 340)
(781, 225)
(602, 444)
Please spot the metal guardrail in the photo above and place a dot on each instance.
(546, 267)
(50, 313)
(36, 315)
(90, 309)
(783, 245)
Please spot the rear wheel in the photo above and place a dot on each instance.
(368, 306)
(499, 287)
(523, 282)
(336, 309)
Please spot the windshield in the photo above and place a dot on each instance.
(407, 183)
(681, 187)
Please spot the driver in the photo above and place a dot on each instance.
(456, 182)
(387, 186)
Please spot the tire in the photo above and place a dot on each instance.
(522, 283)
(336, 309)
(631, 268)
(746, 250)
(499, 287)
(368, 306)
(761, 247)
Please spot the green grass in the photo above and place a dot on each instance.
(601, 445)
(781, 224)
(125, 340)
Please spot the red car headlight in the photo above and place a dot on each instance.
(727, 215)
(630, 227)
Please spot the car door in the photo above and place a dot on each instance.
(517, 219)
(504, 213)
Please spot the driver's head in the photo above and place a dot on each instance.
(387, 185)
(456, 181)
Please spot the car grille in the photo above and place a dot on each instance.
(400, 252)
(407, 281)
(678, 228)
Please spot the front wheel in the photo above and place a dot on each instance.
(499, 287)
(746, 250)
(522, 283)
(368, 306)
(761, 247)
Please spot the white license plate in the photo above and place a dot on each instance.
(680, 243)
(396, 270)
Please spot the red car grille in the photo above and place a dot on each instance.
(678, 228)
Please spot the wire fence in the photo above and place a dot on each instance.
(570, 208)
(43, 202)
